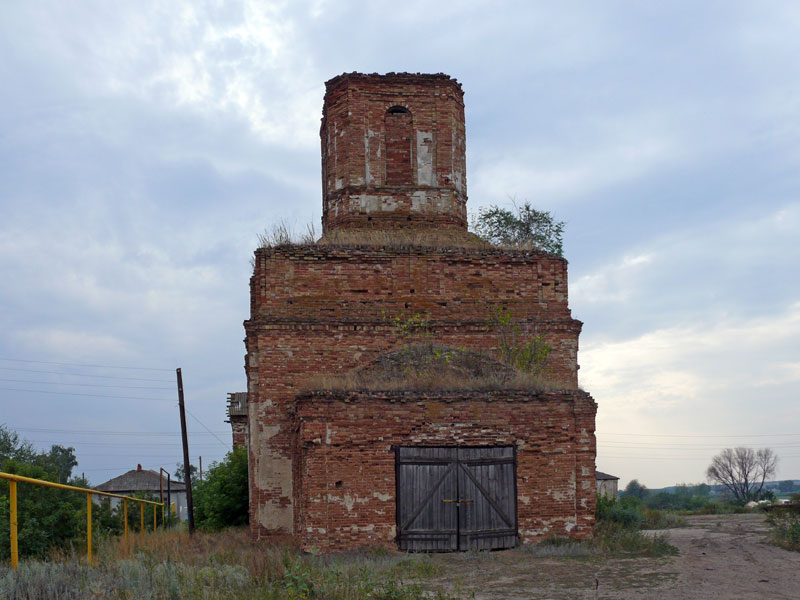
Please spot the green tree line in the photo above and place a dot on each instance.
(50, 518)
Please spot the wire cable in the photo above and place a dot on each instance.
(66, 364)
(127, 387)
(90, 395)
(86, 375)
(741, 435)
(207, 429)
(109, 432)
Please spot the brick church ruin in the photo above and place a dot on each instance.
(379, 409)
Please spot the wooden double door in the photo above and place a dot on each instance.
(453, 498)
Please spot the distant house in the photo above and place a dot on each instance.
(606, 484)
(237, 417)
(149, 482)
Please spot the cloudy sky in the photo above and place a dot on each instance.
(144, 145)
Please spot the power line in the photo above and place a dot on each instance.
(740, 435)
(207, 429)
(109, 432)
(126, 467)
(652, 458)
(90, 395)
(85, 375)
(675, 458)
(128, 387)
(66, 364)
(117, 444)
(667, 446)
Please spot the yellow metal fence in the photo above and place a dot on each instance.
(14, 479)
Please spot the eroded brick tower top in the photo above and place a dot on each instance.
(393, 152)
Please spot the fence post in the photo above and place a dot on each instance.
(89, 528)
(155, 512)
(125, 514)
(141, 514)
(12, 486)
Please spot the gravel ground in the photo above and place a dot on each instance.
(720, 556)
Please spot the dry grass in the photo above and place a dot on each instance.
(214, 566)
(425, 367)
(401, 237)
(282, 235)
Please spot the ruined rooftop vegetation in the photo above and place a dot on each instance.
(525, 228)
(281, 235)
(433, 238)
(427, 367)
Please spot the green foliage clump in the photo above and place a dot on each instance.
(528, 228)
(625, 513)
(615, 538)
(636, 489)
(46, 518)
(784, 525)
(221, 498)
(685, 499)
(631, 513)
(528, 354)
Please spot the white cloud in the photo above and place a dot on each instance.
(72, 345)
(717, 378)
(611, 283)
(595, 152)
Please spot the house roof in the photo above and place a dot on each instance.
(139, 480)
(603, 476)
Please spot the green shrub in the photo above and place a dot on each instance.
(46, 517)
(659, 519)
(221, 499)
(614, 538)
(625, 513)
(784, 525)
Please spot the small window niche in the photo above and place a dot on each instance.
(399, 133)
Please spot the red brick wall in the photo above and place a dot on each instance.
(346, 489)
(322, 309)
(383, 170)
(239, 430)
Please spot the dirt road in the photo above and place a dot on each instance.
(721, 556)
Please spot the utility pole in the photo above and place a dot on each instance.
(169, 498)
(187, 477)
(201, 468)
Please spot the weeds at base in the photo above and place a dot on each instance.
(610, 539)
(785, 528)
(218, 566)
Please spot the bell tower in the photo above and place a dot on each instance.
(393, 152)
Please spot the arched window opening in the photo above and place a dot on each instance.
(399, 129)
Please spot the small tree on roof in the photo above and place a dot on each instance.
(527, 228)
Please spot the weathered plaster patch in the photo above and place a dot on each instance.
(425, 158)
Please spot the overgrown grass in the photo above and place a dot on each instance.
(614, 539)
(618, 528)
(785, 527)
(283, 235)
(207, 566)
(630, 512)
(717, 508)
(610, 539)
(426, 367)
